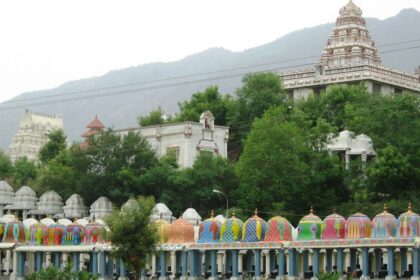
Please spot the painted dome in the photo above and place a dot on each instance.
(55, 234)
(163, 230)
(384, 225)
(408, 224)
(210, 230)
(161, 212)
(25, 199)
(254, 229)
(75, 207)
(334, 227)
(14, 232)
(74, 234)
(2, 228)
(279, 229)
(6, 193)
(351, 10)
(180, 231)
(309, 227)
(38, 234)
(101, 208)
(93, 233)
(192, 216)
(358, 226)
(231, 230)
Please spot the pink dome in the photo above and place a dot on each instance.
(334, 227)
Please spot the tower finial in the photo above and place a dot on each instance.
(256, 212)
(233, 214)
(212, 214)
(409, 207)
(311, 211)
(385, 208)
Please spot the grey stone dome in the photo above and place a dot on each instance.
(129, 204)
(101, 208)
(191, 216)
(25, 199)
(75, 207)
(50, 203)
(161, 212)
(6, 193)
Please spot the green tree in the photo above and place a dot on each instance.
(59, 174)
(281, 173)
(6, 166)
(24, 171)
(133, 235)
(197, 183)
(56, 143)
(112, 165)
(155, 117)
(209, 100)
(393, 176)
(259, 92)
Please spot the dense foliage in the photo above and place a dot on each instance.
(277, 160)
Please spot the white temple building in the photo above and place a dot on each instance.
(33, 134)
(186, 140)
(348, 146)
(350, 57)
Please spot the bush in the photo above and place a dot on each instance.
(53, 273)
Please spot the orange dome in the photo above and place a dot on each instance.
(180, 231)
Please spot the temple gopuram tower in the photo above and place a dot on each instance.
(34, 129)
(349, 57)
(350, 42)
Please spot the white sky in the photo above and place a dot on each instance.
(45, 43)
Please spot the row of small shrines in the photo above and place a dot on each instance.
(213, 230)
(226, 248)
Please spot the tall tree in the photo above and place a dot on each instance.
(112, 165)
(24, 171)
(133, 235)
(56, 143)
(259, 91)
(280, 172)
(6, 166)
(155, 117)
(208, 100)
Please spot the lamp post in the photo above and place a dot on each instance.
(227, 201)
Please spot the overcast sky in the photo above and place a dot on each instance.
(46, 43)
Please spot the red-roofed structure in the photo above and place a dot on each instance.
(94, 127)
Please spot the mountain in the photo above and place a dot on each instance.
(127, 93)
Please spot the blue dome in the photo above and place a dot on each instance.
(231, 230)
(210, 230)
(384, 225)
(254, 229)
